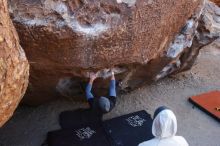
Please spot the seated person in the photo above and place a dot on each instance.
(164, 129)
(101, 104)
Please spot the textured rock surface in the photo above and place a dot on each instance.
(207, 33)
(143, 40)
(216, 1)
(14, 68)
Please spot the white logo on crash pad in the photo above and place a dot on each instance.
(85, 133)
(135, 121)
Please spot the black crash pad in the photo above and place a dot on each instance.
(90, 135)
(129, 130)
(72, 119)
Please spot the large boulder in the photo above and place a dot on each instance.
(14, 68)
(142, 40)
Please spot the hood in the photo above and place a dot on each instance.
(164, 124)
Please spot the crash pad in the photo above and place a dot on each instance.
(85, 135)
(130, 129)
(79, 117)
(209, 103)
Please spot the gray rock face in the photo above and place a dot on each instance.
(142, 41)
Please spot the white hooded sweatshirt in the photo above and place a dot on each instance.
(164, 129)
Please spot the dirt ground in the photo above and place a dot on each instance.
(29, 125)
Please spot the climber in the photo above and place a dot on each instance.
(102, 104)
(164, 129)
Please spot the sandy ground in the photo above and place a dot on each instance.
(29, 125)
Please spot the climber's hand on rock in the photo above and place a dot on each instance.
(112, 75)
(92, 77)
